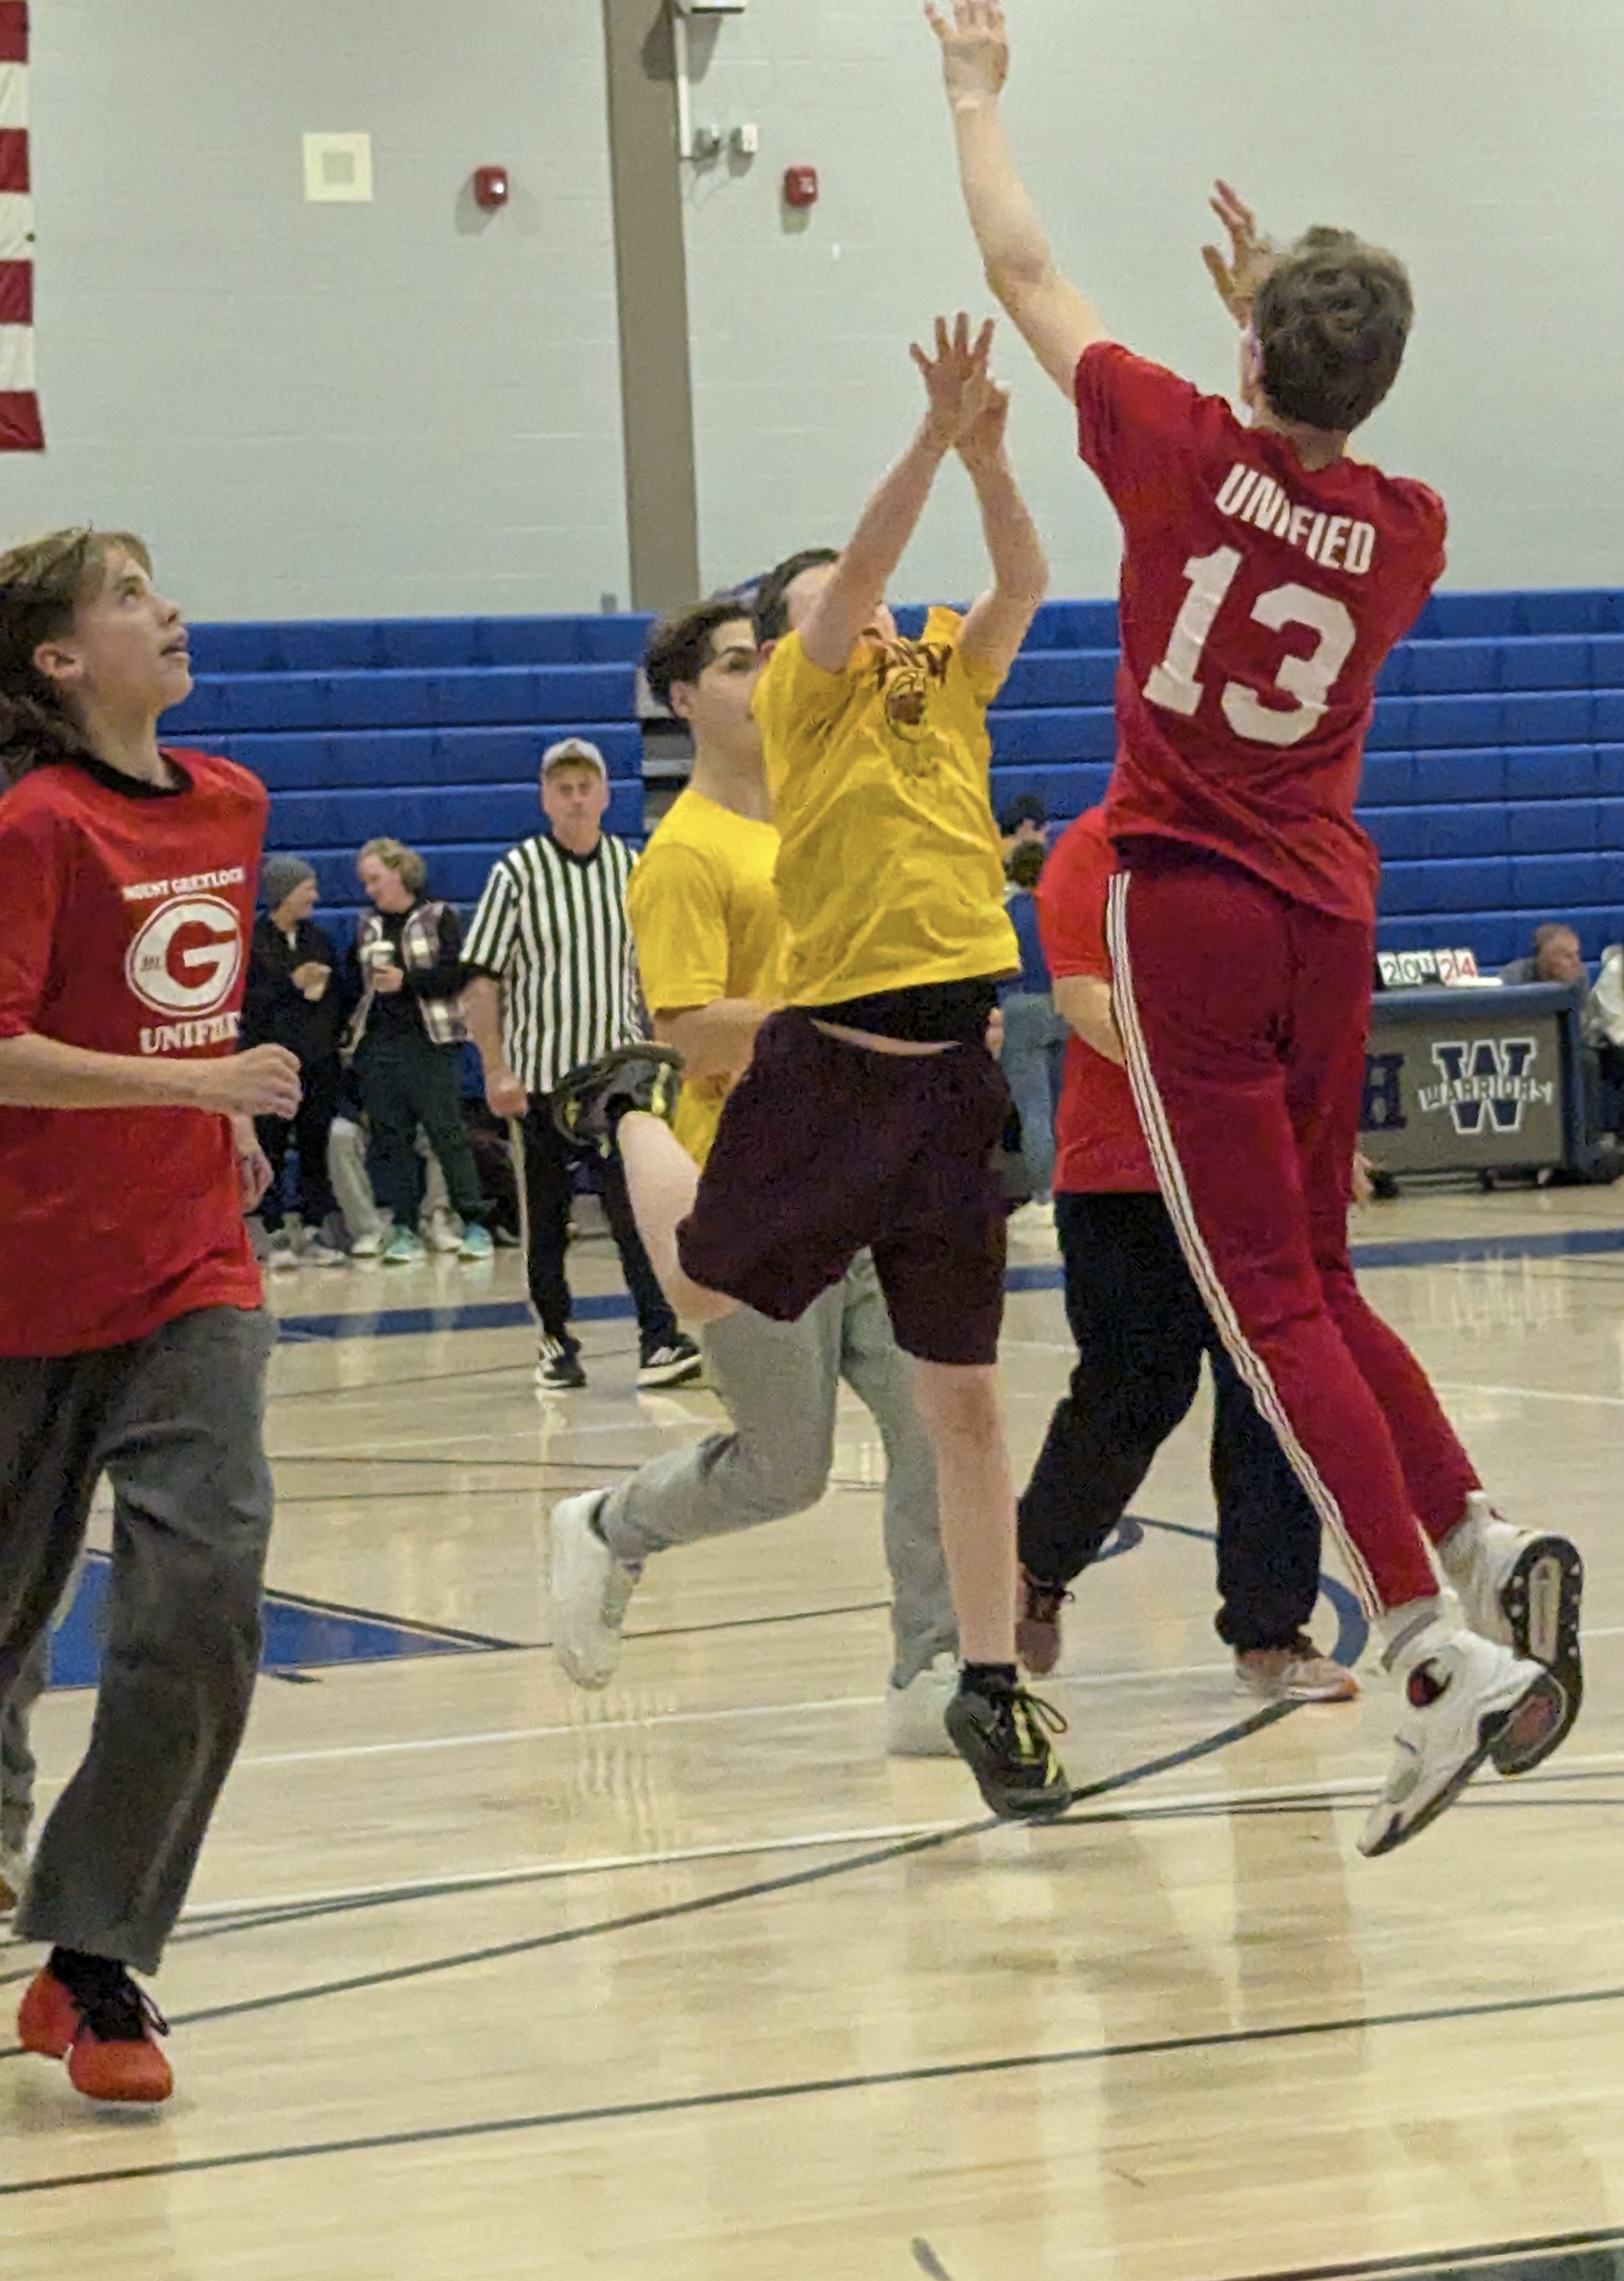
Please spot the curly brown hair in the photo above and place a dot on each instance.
(681, 646)
(41, 584)
(1332, 319)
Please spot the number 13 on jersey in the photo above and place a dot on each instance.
(1176, 684)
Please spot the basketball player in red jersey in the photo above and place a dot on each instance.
(1265, 576)
(133, 1341)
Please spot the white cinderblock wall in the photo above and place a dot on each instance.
(388, 409)
(1483, 139)
(318, 410)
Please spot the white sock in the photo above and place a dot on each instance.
(1400, 1627)
(1457, 1549)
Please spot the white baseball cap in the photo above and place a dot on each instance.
(573, 752)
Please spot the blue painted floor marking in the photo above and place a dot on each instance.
(303, 1634)
(299, 1635)
(616, 1306)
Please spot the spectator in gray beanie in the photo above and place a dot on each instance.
(296, 997)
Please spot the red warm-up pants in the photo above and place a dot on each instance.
(1244, 1016)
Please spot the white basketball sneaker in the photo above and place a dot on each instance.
(13, 1877)
(914, 1713)
(591, 1589)
(1461, 1694)
(1523, 1589)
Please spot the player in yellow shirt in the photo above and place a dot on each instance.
(705, 911)
(871, 1107)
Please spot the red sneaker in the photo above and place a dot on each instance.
(47, 2018)
(107, 2035)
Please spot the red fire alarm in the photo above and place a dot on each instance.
(490, 187)
(800, 187)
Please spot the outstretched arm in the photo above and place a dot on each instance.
(1000, 621)
(1238, 273)
(1052, 317)
(957, 386)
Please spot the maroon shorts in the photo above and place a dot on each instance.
(826, 1150)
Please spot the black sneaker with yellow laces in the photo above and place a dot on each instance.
(999, 1732)
(589, 1102)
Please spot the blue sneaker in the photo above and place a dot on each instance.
(403, 1249)
(476, 1242)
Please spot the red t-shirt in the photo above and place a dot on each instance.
(1098, 1144)
(1258, 603)
(125, 914)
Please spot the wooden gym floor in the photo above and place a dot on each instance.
(687, 1981)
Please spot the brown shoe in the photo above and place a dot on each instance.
(1036, 1626)
(1295, 1673)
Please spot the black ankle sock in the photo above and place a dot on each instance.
(83, 1975)
(988, 1679)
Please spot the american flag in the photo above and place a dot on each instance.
(19, 407)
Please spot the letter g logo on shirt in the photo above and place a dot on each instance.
(186, 957)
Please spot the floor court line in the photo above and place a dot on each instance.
(221, 1920)
(235, 1918)
(1344, 1790)
(825, 2086)
(437, 1318)
(1441, 1385)
(1529, 1393)
(493, 1738)
(1185, 1755)
(1454, 2264)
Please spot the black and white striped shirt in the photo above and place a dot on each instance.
(552, 929)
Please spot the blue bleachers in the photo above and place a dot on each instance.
(1494, 781)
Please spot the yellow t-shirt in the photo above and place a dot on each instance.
(890, 873)
(705, 914)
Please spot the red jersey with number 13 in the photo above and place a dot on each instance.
(1259, 600)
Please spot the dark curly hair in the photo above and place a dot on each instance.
(1332, 319)
(41, 584)
(772, 609)
(681, 647)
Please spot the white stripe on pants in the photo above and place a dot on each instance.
(1158, 1136)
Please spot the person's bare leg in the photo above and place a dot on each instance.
(963, 1417)
(664, 1181)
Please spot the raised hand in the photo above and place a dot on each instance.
(975, 48)
(1250, 256)
(981, 441)
(955, 380)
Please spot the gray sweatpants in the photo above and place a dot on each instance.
(780, 1383)
(351, 1182)
(17, 1766)
(174, 1420)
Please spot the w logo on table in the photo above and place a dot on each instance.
(1487, 1085)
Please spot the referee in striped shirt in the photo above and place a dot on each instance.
(552, 984)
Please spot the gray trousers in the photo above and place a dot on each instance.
(780, 1383)
(352, 1183)
(174, 1420)
(17, 1766)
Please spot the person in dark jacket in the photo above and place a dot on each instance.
(296, 997)
(406, 1040)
